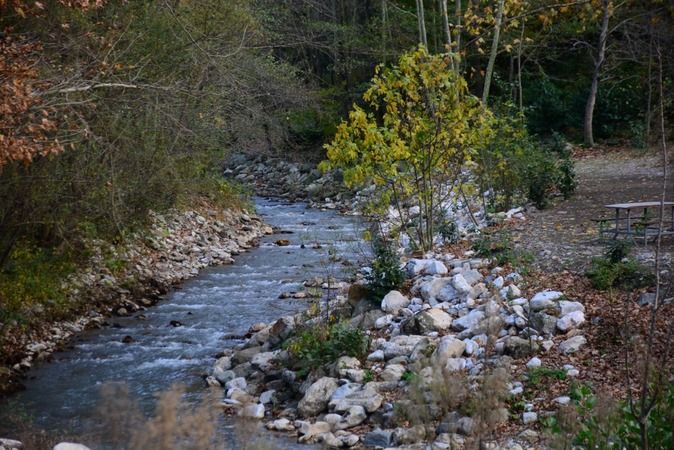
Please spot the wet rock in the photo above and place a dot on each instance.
(309, 432)
(316, 398)
(282, 424)
(252, 411)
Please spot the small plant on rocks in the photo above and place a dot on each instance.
(323, 344)
(386, 274)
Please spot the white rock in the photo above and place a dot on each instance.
(534, 362)
(70, 446)
(448, 347)
(434, 319)
(11, 444)
(435, 267)
(469, 321)
(267, 396)
(544, 300)
(393, 302)
(252, 411)
(572, 320)
(563, 400)
(498, 282)
(392, 372)
(383, 321)
(572, 345)
(529, 417)
(377, 355)
(567, 307)
(281, 425)
(237, 383)
(460, 284)
(316, 398)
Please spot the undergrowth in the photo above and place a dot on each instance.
(616, 269)
(498, 246)
(322, 344)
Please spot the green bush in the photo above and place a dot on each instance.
(616, 270)
(515, 166)
(386, 274)
(322, 344)
(597, 423)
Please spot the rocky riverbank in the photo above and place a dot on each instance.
(124, 279)
(448, 356)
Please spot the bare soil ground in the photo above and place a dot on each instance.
(564, 235)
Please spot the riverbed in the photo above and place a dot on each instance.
(176, 341)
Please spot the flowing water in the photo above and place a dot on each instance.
(221, 302)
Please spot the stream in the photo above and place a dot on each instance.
(219, 303)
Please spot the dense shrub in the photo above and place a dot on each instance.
(514, 166)
(386, 274)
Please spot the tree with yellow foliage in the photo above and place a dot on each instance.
(413, 142)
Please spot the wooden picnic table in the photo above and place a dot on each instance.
(642, 226)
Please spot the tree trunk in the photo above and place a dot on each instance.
(519, 70)
(422, 23)
(448, 33)
(494, 52)
(458, 35)
(599, 61)
(383, 30)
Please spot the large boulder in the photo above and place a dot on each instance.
(316, 398)
(393, 302)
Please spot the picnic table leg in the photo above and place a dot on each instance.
(617, 220)
(645, 219)
(629, 225)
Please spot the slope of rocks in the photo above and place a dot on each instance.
(460, 320)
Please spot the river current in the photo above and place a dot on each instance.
(221, 303)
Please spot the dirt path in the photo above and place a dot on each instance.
(564, 236)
